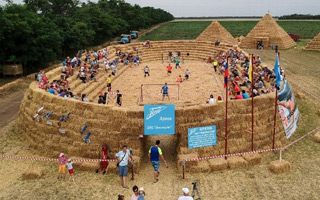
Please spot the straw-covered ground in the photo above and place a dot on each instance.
(203, 82)
(38, 180)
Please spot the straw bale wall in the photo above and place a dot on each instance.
(117, 126)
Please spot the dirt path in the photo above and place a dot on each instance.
(9, 105)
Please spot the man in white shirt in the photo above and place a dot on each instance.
(123, 158)
(186, 195)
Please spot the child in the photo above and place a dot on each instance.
(62, 160)
(177, 63)
(70, 169)
(187, 74)
(169, 69)
(179, 79)
(118, 98)
(146, 71)
(109, 80)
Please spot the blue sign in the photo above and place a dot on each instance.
(159, 119)
(202, 136)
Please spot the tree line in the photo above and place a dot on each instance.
(300, 16)
(41, 31)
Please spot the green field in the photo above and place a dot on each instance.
(191, 29)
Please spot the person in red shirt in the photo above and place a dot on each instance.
(179, 79)
(169, 69)
(238, 96)
(104, 162)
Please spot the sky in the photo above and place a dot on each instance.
(212, 8)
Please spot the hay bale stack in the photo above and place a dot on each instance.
(202, 166)
(279, 167)
(237, 162)
(314, 44)
(183, 157)
(216, 32)
(316, 137)
(268, 31)
(218, 164)
(252, 159)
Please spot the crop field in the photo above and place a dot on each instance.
(191, 29)
(257, 182)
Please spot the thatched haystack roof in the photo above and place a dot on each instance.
(314, 44)
(268, 31)
(216, 32)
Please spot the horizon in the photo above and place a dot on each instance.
(227, 8)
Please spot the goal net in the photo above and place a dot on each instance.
(153, 92)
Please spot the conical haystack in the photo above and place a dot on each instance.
(270, 33)
(314, 44)
(216, 32)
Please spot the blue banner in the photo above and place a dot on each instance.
(202, 136)
(159, 119)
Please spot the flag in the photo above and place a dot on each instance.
(250, 69)
(277, 71)
(226, 73)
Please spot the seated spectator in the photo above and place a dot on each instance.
(245, 95)
(211, 100)
(84, 98)
(220, 99)
(51, 90)
(238, 96)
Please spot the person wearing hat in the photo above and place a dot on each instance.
(186, 195)
(62, 161)
(141, 194)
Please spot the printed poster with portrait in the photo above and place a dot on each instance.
(288, 109)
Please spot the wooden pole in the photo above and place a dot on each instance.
(141, 93)
(183, 169)
(275, 119)
(252, 104)
(275, 111)
(226, 119)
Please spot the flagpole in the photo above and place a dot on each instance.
(226, 119)
(275, 111)
(252, 117)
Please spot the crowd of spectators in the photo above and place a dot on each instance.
(239, 84)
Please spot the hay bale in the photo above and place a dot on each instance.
(316, 137)
(237, 162)
(202, 166)
(279, 167)
(33, 174)
(218, 164)
(252, 159)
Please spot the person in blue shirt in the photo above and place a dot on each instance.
(51, 90)
(155, 153)
(165, 91)
(245, 95)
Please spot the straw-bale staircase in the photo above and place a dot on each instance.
(268, 31)
(314, 44)
(190, 50)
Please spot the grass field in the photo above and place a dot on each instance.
(191, 29)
